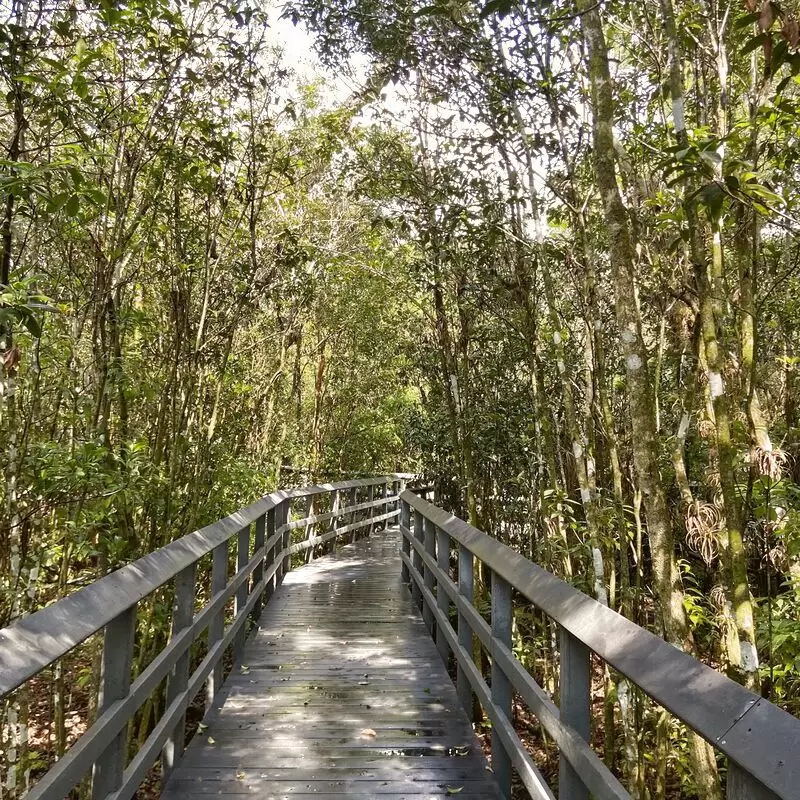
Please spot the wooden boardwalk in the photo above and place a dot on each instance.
(342, 693)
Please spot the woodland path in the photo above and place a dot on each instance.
(341, 693)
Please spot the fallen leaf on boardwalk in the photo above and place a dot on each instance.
(241, 775)
(201, 727)
(211, 740)
(363, 683)
(368, 733)
(454, 789)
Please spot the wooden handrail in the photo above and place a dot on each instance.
(32, 643)
(761, 741)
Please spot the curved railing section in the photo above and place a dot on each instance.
(259, 540)
(760, 740)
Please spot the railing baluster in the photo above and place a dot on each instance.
(115, 683)
(258, 572)
(575, 690)
(743, 786)
(405, 545)
(465, 588)
(269, 559)
(182, 615)
(216, 628)
(352, 499)
(501, 686)
(335, 520)
(242, 593)
(371, 499)
(419, 535)
(310, 530)
(430, 549)
(281, 519)
(442, 598)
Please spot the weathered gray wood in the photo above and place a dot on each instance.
(335, 520)
(575, 688)
(502, 620)
(466, 590)
(281, 518)
(405, 545)
(242, 558)
(442, 598)
(182, 616)
(219, 577)
(419, 535)
(115, 683)
(362, 705)
(743, 786)
(429, 534)
(371, 501)
(706, 700)
(258, 572)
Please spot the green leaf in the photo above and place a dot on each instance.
(755, 42)
(73, 205)
(501, 7)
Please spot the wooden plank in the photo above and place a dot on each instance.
(354, 702)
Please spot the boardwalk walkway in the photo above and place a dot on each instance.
(342, 694)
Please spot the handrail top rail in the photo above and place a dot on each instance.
(32, 643)
(760, 737)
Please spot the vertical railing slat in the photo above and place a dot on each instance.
(416, 558)
(442, 598)
(242, 593)
(269, 559)
(743, 786)
(405, 545)
(466, 590)
(429, 579)
(182, 615)
(216, 628)
(115, 682)
(258, 572)
(335, 520)
(575, 707)
(371, 499)
(281, 519)
(501, 686)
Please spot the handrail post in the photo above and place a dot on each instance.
(442, 598)
(310, 530)
(416, 558)
(335, 520)
(182, 615)
(371, 500)
(466, 580)
(501, 686)
(242, 559)
(269, 558)
(216, 628)
(352, 499)
(405, 545)
(743, 786)
(258, 572)
(575, 706)
(430, 549)
(118, 640)
(281, 520)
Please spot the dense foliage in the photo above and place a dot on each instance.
(547, 255)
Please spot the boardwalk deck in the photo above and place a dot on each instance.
(342, 694)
